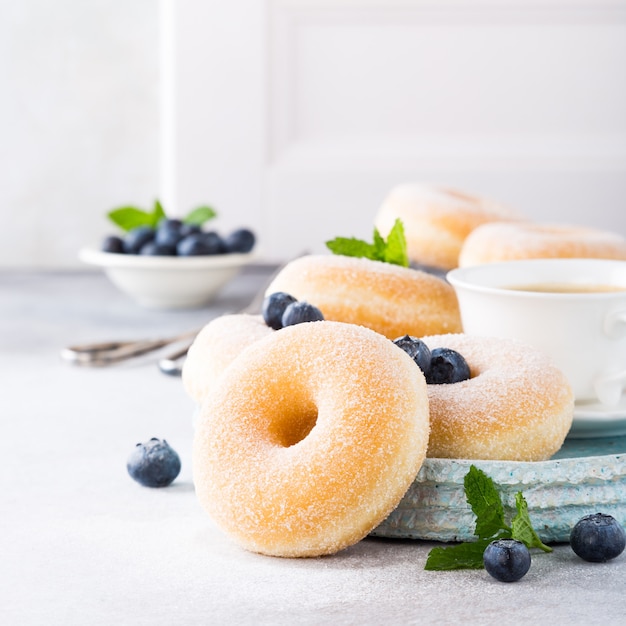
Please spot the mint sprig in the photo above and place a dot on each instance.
(129, 217)
(392, 250)
(484, 499)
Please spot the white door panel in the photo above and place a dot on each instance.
(297, 117)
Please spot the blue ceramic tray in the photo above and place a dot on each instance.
(585, 476)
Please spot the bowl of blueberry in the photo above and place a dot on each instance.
(170, 263)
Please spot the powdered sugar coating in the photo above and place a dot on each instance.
(215, 347)
(516, 406)
(310, 439)
(506, 242)
(389, 299)
(437, 220)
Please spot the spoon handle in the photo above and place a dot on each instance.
(107, 353)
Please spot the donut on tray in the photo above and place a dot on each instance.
(389, 299)
(516, 406)
(311, 439)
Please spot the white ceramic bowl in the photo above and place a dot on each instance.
(168, 282)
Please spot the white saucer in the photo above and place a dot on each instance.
(597, 420)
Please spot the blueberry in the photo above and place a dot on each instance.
(240, 240)
(168, 232)
(169, 223)
(153, 463)
(137, 238)
(273, 308)
(113, 243)
(189, 229)
(507, 560)
(447, 366)
(299, 312)
(598, 538)
(153, 248)
(213, 242)
(417, 350)
(193, 245)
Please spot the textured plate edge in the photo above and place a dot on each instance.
(604, 474)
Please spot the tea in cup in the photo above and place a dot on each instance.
(572, 309)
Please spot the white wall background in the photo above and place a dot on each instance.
(79, 122)
(296, 116)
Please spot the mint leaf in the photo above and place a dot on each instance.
(200, 215)
(352, 247)
(157, 213)
(396, 250)
(522, 528)
(391, 251)
(459, 556)
(379, 246)
(483, 497)
(129, 217)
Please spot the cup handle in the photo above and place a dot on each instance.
(609, 388)
(615, 324)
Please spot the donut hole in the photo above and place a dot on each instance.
(294, 424)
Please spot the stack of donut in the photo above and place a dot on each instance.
(309, 436)
(447, 228)
(437, 220)
(388, 299)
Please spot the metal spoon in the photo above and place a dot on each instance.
(110, 352)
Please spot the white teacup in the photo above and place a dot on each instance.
(572, 309)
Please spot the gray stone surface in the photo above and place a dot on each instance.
(81, 543)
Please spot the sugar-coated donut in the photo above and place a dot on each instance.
(516, 406)
(215, 347)
(436, 220)
(389, 299)
(311, 439)
(509, 241)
